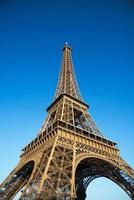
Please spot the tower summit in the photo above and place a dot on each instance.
(69, 151)
(67, 83)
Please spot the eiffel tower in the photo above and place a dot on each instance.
(68, 153)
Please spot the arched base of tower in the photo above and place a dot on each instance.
(65, 169)
(91, 168)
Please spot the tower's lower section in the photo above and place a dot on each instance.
(61, 165)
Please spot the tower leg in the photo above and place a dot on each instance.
(53, 177)
(16, 181)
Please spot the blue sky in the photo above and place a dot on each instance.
(32, 34)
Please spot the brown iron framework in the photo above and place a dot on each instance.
(69, 151)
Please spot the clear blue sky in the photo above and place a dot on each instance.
(32, 34)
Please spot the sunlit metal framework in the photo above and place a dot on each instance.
(69, 151)
(67, 83)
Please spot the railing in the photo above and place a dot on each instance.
(65, 126)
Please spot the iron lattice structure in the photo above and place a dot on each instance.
(68, 153)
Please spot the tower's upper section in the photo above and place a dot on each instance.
(67, 83)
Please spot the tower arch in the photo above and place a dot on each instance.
(90, 167)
